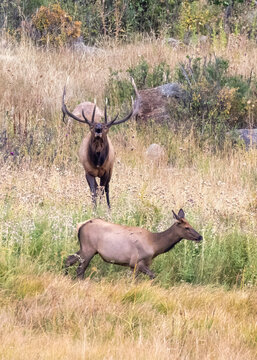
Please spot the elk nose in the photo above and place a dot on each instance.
(200, 238)
(98, 130)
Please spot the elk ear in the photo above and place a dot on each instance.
(175, 216)
(181, 214)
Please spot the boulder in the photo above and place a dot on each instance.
(174, 43)
(155, 103)
(80, 47)
(249, 136)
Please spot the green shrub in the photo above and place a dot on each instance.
(216, 101)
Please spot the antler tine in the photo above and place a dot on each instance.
(105, 114)
(134, 111)
(86, 120)
(110, 123)
(93, 115)
(66, 111)
(63, 104)
(134, 86)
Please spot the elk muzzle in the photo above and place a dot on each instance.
(98, 130)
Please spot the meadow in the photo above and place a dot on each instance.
(203, 302)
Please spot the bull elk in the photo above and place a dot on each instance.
(128, 246)
(96, 152)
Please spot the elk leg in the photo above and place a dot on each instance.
(93, 186)
(71, 260)
(84, 262)
(107, 195)
(141, 267)
(104, 181)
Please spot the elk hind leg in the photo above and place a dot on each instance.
(71, 260)
(84, 262)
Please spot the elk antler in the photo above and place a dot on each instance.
(114, 122)
(105, 114)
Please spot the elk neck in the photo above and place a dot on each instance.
(165, 240)
(98, 150)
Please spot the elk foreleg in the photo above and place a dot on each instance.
(93, 186)
(141, 267)
(104, 181)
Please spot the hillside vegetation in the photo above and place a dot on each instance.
(202, 303)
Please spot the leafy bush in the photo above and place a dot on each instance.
(54, 26)
(13, 12)
(216, 101)
(194, 18)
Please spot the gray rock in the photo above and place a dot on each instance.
(174, 42)
(203, 39)
(155, 103)
(249, 136)
(79, 46)
(171, 90)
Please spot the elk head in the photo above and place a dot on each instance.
(184, 229)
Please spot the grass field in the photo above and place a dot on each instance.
(202, 304)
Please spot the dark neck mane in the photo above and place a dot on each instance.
(98, 151)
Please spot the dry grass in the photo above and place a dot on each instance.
(217, 186)
(59, 319)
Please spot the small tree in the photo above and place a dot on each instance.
(54, 26)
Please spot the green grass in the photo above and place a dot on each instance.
(46, 239)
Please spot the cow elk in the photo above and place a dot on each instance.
(128, 246)
(96, 152)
